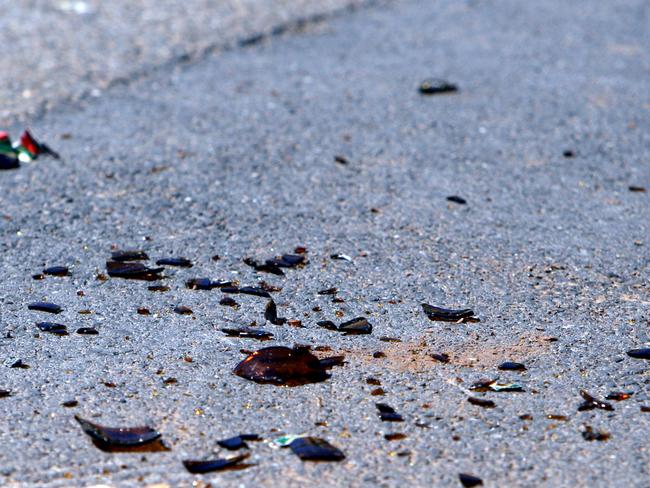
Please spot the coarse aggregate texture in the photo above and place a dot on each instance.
(234, 155)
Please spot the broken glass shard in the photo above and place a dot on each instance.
(87, 331)
(133, 271)
(251, 290)
(437, 86)
(200, 467)
(158, 288)
(183, 310)
(494, 385)
(245, 332)
(287, 261)
(57, 271)
(388, 413)
(389, 339)
(119, 439)
(327, 324)
(449, 315)
(341, 257)
(206, 284)
(180, 262)
(271, 314)
(280, 365)
(129, 255)
(591, 402)
(228, 302)
(643, 353)
(52, 328)
(238, 442)
(356, 326)
(442, 357)
(589, 434)
(468, 480)
(45, 307)
(618, 396)
(395, 436)
(457, 199)
(315, 449)
(512, 366)
(481, 402)
(265, 268)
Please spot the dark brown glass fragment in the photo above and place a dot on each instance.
(328, 291)
(265, 268)
(52, 328)
(268, 287)
(122, 439)
(87, 331)
(231, 463)
(246, 332)
(389, 339)
(179, 262)
(19, 364)
(285, 366)
(442, 357)
(395, 436)
(561, 418)
(437, 86)
(481, 402)
(618, 396)
(315, 449)
(45, 307)
(133, 271)
(159, 288)
(512, 366)
(457, 199)
(591, 402)
(468, 480)
(271, 314)
(238, 442)
(129, 255)
(388, 413)
(251, 290)
(643, 353)
(356, 326)
(449, 315)
(206, 284)
(327, 324)
(57, 271)
(341, 160)
(183, 310)
(228, 302)
(589, 434)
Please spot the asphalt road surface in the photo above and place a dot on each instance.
(233, 155)
(57, 51)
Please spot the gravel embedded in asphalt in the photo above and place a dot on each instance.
(234, 156)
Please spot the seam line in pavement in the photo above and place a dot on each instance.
(290, 27)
